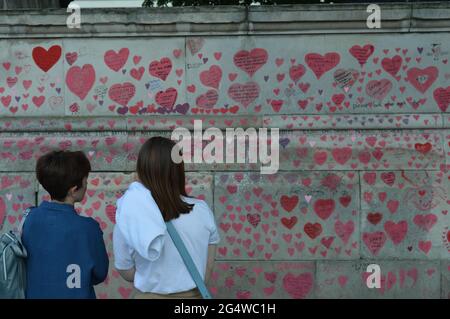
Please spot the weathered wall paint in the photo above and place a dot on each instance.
(364, 148)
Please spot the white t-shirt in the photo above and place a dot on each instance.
(141, 240)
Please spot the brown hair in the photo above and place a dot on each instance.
(59, 171)
(163, 177)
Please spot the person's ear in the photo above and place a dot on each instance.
(72, 191)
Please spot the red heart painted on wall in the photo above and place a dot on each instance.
(324, 207)
(374, 218)
(396, 231)
(374, 241)
(344, 231)
(425, 222)
(289, 223)
(166, 98)
(320, 64)
(252, 61)
(122, 93)
(211, 77)
(161, 68)
(254, 219)
(312, 230)
(110, 212)
(442, 98)
(342, 154)
(392, 66)
(422, 79)
(80, 80)
(378, 89)
(296, 72)
(388, 178)
(116, 60)
(207, 100)
(362, 53)
(244, 94)
(289, 203)
(298, 287)
(46, 59)
(423, 148)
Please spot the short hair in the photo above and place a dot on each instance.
(59, 171)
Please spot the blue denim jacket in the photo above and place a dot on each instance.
(62, 248)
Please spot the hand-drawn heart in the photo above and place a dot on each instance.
(110, 211)
(207, 100)
(38, 100)
(422, 79)
(342, 154)
(442, 98)
(320, 64)
(392, 66)
(211, 77)
(344, 231)
(252, 61)
(345, 78)
(345, 200)
(312, 230)
(388, 178)
(324, 207)
(122, 93)
(362, 53)
(396, 231)
(244, 94)
(374, 218)
(288, 203)
(125, 292)
(370, 177)
(115, 61)
(374, 241)
(378, 89)
(327, 241)
(137, 73)
(167, 98)
(195, 44)
(71, 57)
(338, 98)
(296, 72)
(423, 148)
(46, 59)
(425, 222)
(254, 219)
(80, 80)
(298, 287)
(392, 205)
(289, 223)
(160, 69)
(425, 246)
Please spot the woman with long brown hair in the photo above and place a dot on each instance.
(144, 252)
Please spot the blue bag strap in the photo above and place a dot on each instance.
(188, 261)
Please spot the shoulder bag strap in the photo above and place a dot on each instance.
(22, 222)
(188, 261)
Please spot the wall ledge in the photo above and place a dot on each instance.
(227, 20)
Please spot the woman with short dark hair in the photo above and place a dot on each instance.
(144, 252)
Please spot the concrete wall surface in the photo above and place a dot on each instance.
(364, 118)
